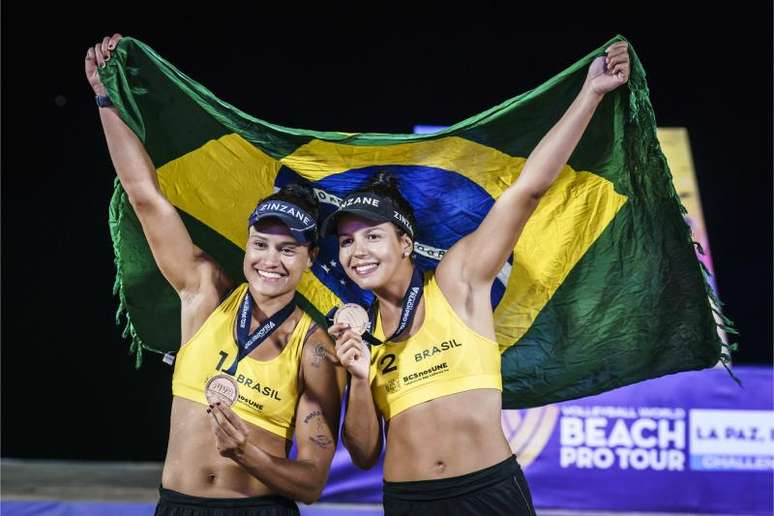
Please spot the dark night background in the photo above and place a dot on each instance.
(69, 388)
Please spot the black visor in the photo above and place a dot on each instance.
(370, 206)
(302, 225)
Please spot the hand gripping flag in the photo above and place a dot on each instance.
(603, 288)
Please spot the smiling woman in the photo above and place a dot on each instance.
(248, 376)
(446, 314)
(278, 246)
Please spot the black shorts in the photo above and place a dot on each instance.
(172, 503)
(499, 489)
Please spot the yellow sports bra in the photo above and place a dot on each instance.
(444, 357)
(268, 390)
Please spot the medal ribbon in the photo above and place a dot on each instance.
(246, 342)
(407, 310)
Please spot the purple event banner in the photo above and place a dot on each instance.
(689, 442)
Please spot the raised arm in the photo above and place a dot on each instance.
(474, 261)
(317, 423)
(184, 265)
(362, 434)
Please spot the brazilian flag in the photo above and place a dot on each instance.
(602, 290)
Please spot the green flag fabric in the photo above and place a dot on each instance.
(603, 288)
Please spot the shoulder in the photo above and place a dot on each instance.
(196, 307)
(320, 374)
(317, 344)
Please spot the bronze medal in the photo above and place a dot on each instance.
(354, 315)
(221, 388)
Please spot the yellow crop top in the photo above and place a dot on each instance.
(268, 390)
(444, 357)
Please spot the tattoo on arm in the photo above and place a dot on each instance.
(321, 437)
(312, 415)
(323, 441)
(319, 355)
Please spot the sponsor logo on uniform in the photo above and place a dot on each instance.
(427, 373)
(254, 404)
(392, 386)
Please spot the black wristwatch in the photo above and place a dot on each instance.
(103, 101)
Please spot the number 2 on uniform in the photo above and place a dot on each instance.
(390, 359)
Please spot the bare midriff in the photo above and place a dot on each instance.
(193, 465)
(446, 437)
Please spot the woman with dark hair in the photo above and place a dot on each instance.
(252, 370)
(432, 372)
